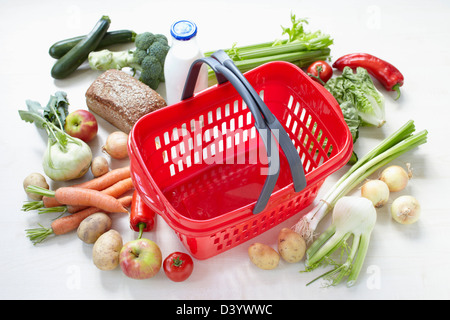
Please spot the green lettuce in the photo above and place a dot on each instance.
(359, 90)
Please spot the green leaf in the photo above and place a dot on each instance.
(32, 117)
(351, 117)
(358, 89)
(57, 109)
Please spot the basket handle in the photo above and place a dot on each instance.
(292, 156)
(264, 131)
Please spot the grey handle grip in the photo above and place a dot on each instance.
(292, 156)
(223, 74)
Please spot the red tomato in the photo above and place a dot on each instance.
(178, 266)
(320, 71)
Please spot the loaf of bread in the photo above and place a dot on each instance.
(121, 99)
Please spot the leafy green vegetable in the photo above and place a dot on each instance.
(57, 109)
(351, 117)
(353, 121)
(55, 112)
(358, 89)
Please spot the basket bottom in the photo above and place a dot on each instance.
(222, 188)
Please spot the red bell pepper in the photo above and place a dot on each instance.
(142, 219)
(389, 76)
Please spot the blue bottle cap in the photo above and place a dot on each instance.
(183, 30)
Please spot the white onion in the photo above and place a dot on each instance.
(116, 145)
(406, 209)
(395, 177)
(376, 191)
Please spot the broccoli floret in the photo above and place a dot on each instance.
(139, 55)
(144, 40)
(151, 71)
(149, 80)
(151, 65)
(147, 58)
(159, 50)
(161, 38)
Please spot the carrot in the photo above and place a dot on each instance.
(99, 183)
(71, 222)
(50, 202)
(68, 223)
(106, 180)
(87, 197)
(116, 190)
(81, 197)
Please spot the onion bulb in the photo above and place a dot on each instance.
(395, 177)
(376, 191)
(116, 145)
(405, 209)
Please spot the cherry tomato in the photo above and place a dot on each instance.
(320, 71)
(178, 266)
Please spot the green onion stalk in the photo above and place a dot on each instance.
(398, 143)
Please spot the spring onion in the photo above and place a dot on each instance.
(301, 48)
(352, 216)
(399, 142)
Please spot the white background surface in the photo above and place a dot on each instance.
(403, 262)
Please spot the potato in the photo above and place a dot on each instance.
(99, 166)
(291, 245)
(263, 256)
(105, 253)
(91, 228)
(35, 179)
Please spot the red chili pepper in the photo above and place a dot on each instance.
(141, 217)
(389, 76)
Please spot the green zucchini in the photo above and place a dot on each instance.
(78, 54)
(60, 48)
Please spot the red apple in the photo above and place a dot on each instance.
(81, 124)
(140, 259)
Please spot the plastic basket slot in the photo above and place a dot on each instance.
(307, 135)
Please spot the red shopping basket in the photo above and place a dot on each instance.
(202, 165)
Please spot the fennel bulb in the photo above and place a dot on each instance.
(352, 216)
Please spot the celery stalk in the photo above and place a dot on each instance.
(302, 48)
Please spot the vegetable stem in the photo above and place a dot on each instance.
(32, 205)
(37, 235)
(359, 260)
(41, 191)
